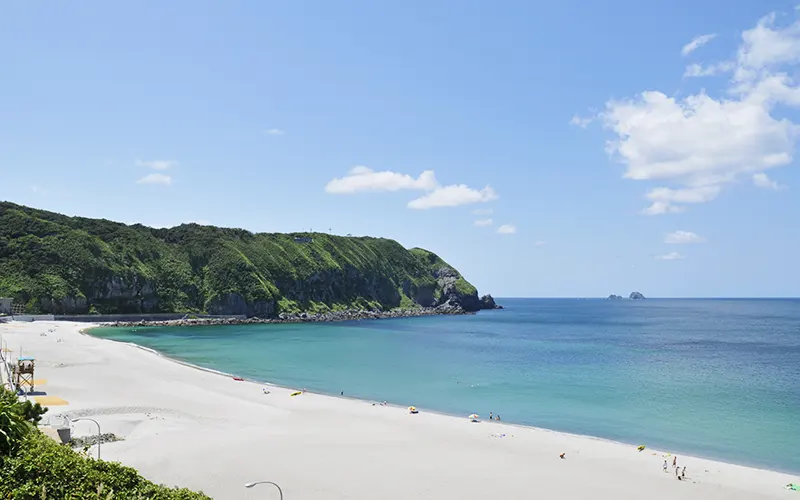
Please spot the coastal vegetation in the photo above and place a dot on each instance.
(33, 466)
(52, 263)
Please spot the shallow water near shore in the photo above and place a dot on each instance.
(713, 378)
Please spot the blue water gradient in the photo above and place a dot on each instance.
(714, 378)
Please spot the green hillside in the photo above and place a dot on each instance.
(58, 264)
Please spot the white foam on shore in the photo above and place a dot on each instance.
(194, 428)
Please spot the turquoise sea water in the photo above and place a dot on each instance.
(713, 378)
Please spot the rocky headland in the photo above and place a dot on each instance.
(56, 264)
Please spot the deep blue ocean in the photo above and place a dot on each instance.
(713, 378)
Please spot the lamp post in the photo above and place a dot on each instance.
(98, 431)
(250, 485)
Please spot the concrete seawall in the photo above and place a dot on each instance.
(111, 318)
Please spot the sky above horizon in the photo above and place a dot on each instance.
(545, 149)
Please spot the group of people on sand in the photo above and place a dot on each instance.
(679, 473)
(495, 417)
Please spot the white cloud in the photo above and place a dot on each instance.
(157, 164)
(507, 229)
(682, 237)
(155, 179)
(696, 43)
(696, 146)
(763, 181)
(483, 222)
(274, 131)
(697, 70)
(453, 196)
(482, 211)
(361, 178)
(582, 122)
(670, 256)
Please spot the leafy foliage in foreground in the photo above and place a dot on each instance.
(59, 264)
(17, 420)
(33, 466)
(42, 465)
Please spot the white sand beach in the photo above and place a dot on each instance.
(188, 427)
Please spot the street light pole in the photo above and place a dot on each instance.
(250, 485)
(98, 431)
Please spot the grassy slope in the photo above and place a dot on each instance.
(49, 260)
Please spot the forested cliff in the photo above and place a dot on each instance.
(53, 263)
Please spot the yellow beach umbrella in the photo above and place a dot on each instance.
(412, 409)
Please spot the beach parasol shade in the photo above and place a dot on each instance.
(412, 409)
(474, 416)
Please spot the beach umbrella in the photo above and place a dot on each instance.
(474, 417)
(412, 409)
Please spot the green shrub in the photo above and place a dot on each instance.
(42, 465)
(17, 420)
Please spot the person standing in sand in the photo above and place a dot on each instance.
(490, 416)
(683, 472)
(675, 461)
(665, 465)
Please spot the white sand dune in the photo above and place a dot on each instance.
(188, 427)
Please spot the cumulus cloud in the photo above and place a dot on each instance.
(507, 229)
(361, 179)
(483, 222)
(697, 70)
(453, 196)
(581, 122)
(696, 43)
(763, 181)
(162, 179)
(274, 131)
(670, 256)
(682, 237)
(696, 146)
(157, 164)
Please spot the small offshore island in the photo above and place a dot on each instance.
(74, 266)
(632, 296)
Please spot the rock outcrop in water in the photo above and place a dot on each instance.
(57, 264)
(636, 296)
(614, 297)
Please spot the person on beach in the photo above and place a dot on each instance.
(497, 418)
(683, 472)
(665, 465)
(675, 461)
(490, 416)
(677, 472)
(562, 456)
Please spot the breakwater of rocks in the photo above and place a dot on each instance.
(327, 317)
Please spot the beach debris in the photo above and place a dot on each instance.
(412, 410)
(641, 447)
(474, 417)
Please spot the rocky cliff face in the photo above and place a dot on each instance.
(70, 265)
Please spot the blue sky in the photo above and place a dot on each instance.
(592, 131)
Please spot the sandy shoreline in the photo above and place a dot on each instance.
(191, 426)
